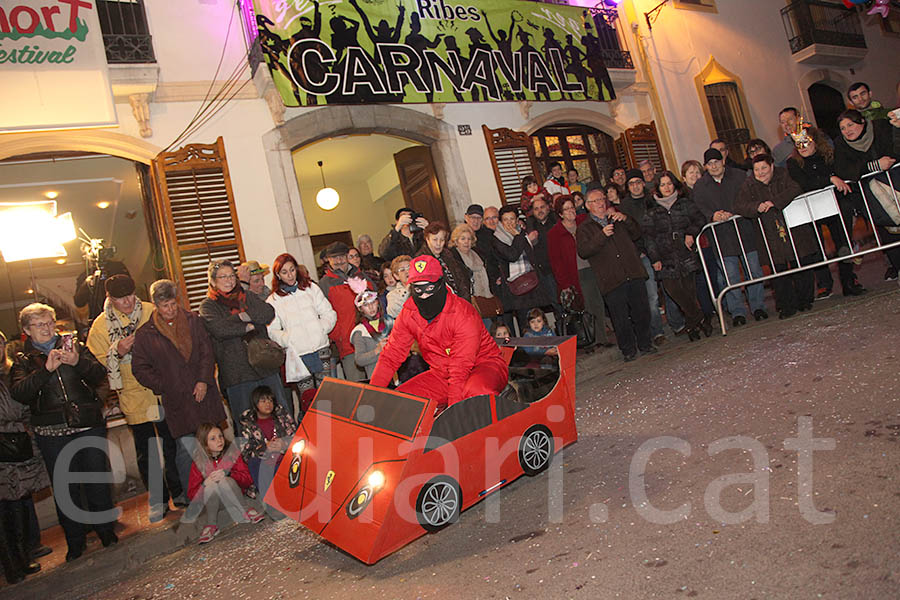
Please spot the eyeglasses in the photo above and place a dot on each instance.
(229, 276)
(42, 324)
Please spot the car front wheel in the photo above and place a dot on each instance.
(535, 450)
(439, 503)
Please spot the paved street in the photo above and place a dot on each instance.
(594, 540)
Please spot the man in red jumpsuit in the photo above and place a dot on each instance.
(464, 359)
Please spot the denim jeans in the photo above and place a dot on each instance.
(239, 395)
(673, 315)
(755, 293)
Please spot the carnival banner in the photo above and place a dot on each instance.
(53, 66)
(368, 51)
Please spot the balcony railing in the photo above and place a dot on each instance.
(809, 22)
(618, 59)
(125, 33)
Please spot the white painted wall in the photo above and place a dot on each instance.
(748, 39)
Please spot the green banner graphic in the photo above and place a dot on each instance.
(367, 51)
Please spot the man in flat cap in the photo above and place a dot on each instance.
(110, 340)
(464, 359)
(343, 300)
(252, 276)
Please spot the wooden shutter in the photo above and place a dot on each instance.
(199, 221)
(512, 155)
(639, 143)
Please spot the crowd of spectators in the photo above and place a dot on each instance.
(624, 251)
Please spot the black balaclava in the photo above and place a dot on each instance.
(431, 306)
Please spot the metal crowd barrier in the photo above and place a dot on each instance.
(809, 207)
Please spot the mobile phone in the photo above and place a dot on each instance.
(68, 342)
(894, 114)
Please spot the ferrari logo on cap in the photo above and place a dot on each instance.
(328, 479)
(420, 265)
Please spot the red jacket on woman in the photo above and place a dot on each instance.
(563, 262)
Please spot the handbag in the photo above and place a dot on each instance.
(264, 355)
(488, 307)
(15, 447)
(523, 284)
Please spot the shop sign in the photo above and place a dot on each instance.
(53, 66)
(365, 51)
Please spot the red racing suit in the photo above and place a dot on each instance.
(464, 359)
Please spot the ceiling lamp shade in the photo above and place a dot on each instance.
(327, 198)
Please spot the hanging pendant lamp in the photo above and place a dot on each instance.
(327, 198)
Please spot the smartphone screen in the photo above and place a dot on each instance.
(68, 342)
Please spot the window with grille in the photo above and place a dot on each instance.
(126, 35)
(199, 222)
(585, 149)
(728, 116)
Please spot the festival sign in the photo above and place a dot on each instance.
(53, 66)
(365, 51)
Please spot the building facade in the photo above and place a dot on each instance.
(182, 74)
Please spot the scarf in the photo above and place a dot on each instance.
(377, 328)
(521, 264)
(47, 346)
(118, 331)
(448, 274)
(289, 289)
(235, 300)
(178, 332)
(864, 141)
(667, 201)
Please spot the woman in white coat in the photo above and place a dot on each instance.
(303, 319)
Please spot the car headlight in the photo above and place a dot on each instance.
(376, 480)
(364, 496)
(298, 447)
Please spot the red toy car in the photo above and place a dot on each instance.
(371, 469)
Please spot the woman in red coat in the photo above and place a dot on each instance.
(572, 271)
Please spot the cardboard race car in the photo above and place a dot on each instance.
(371, 469)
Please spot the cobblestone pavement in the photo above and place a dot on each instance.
(764, 533)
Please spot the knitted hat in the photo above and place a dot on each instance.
(633, 174)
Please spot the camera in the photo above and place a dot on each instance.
(413, 226)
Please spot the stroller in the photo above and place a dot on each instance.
(573, 321)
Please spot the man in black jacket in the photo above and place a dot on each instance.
(406, 237)
(542, 220)
(484, 244)
(715, 194)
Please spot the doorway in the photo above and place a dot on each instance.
(374, 175)
(827, 104)
(108, 198)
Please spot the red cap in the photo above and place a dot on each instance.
(425, 268)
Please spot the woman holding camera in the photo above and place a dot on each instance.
(58, 380)
(514, 248)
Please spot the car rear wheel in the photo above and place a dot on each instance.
(535, 450)
(439, 503)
